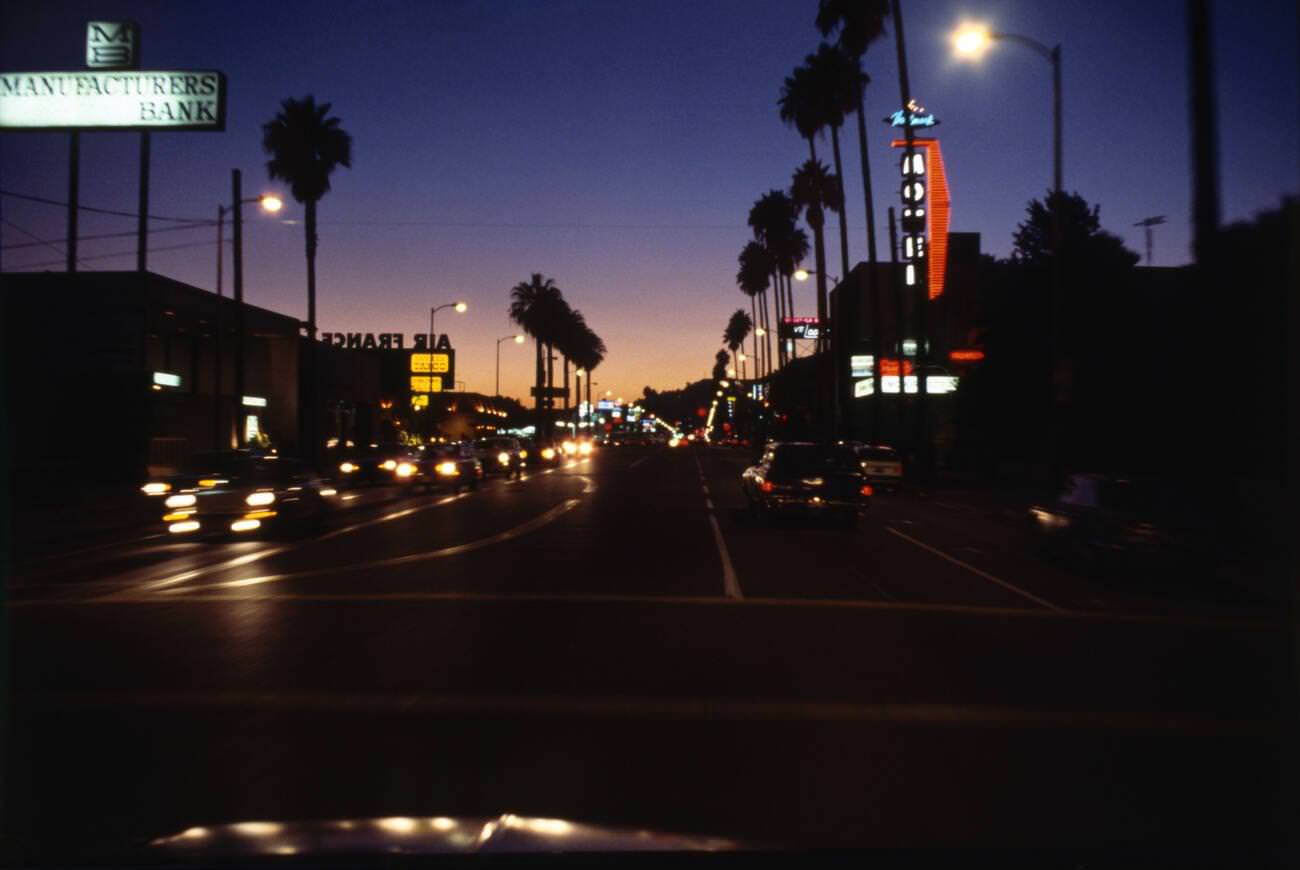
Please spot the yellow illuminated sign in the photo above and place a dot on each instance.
(425, 384)
(435, 363)
(419, 402)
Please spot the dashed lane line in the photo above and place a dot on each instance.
(976, 571)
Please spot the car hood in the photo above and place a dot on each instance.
(421, 835)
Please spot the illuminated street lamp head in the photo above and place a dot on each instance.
(731, 373)
(461, 307)
(801, 274)
(270, 202)
(741, 357)
(760, 331)
(971, 40)
(577, 373)
(519, 339)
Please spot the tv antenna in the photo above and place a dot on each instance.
(1147, 224)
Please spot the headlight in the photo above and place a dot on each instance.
(548, 453)
(259, 499)
(181, 499)
(347, 467)
(570, 448)
(405, 469)
(156, 488)
(523, 454)
(503, 458)
(447, 468)
(585, 448)
(390, 465)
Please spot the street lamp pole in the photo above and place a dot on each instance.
(517, 339)
(460, 309)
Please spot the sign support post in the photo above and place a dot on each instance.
(74, 195)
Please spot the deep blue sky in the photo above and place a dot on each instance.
(617, 147)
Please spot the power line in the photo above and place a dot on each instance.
(54, 246)
(519, 226)
(108, 211)
(122, 254)
(92, 238)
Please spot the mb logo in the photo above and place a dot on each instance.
(112, 45)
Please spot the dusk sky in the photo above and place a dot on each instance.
(617, 147)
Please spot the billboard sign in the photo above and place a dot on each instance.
(113, 100)
(802, 328)
(432, 372)
(112, 45)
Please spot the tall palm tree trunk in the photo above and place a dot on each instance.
(311, 417)
(873, 285)
(844, 223)
(753, 332)
(819, 245)
(789, 308)
(767, 338)
(550, 384)
(776, 290)
(537, 390)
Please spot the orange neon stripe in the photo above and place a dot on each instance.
(938, 209)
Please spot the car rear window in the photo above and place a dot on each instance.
(812, 459)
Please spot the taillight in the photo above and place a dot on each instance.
(866, 489)
(766, 486)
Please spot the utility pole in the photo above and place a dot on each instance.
(237, 236)
(74, 195)
(142, 219)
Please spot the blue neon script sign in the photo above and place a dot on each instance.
(915, 116)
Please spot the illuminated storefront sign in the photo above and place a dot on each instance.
(426, 384)
(254, 401)
(383, 340)
(864, 387)
(435, 363)
(432, 372)
(973, 355)
(166, 379)
(860, 365)
(934, 384)
(802, 328)
(926, 212)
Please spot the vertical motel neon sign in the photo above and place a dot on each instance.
(926, 210)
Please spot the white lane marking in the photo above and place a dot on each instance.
(976, 571)
(259, 555)
(501, 537)
(730, 586)
(621, 707)
(638, 462)
(1106, 616)
(708, 503)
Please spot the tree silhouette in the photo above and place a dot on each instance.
(814, 191)
(720, 361)
(738, 328)
(306, 146)
(537, 306)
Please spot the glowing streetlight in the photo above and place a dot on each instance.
(517, 339)
(760, 332)
(459, 307)
(270, 202)
(971, 39)
(801, 274)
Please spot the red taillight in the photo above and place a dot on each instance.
(766, 486)
(866, 489)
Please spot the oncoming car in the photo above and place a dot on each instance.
(454, 466)
(238, 492)
(501, 455)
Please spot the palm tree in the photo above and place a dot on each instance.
(773, 218)
(753, 279)
(860, 23)
(588, 353)
(814, 190)
(837, 76)
(802, 106)
(738, 329)
(306, 146)
(533, 304)
(720, 361)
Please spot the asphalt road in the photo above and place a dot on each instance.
(616, 642)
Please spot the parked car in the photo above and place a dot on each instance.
(807, 478)
(881, 465)
(1116, 524)
(240, 492)
(454, 465)
(501, 454)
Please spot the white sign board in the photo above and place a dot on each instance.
(123, 100)
(112, 45)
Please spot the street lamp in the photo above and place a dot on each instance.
(970, 41)
(460, 307)
(802, 275)
(517, 339)
(270, 203)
